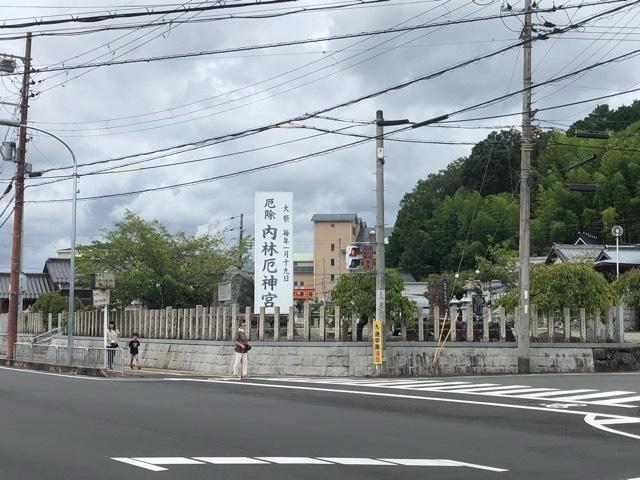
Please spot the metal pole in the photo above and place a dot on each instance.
(16, 247)
(380, 287)
(105, 326)
(524, 359)
(617, 257)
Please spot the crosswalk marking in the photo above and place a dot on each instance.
(153, 463)
(613, 398)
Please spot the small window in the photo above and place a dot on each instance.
(333, 247)
(302, 284)
(333, 225)
(295, 284)
(333, 262)
(333, 277)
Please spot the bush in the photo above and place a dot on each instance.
(628, 287)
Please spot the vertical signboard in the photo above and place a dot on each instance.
(273, 255)
(377, 342)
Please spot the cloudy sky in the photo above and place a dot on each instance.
(116, 111)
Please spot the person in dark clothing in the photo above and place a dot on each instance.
(134, 350)
(241, 347)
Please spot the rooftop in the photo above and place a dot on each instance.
(334, 217)
(573, 253)
(36, 285)
(629, 255)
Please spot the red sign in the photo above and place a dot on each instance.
(303, 293)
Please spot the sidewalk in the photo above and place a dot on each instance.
(156, 372)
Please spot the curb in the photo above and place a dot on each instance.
(46, 367)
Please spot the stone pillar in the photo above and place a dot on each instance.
(291, 320)
(551, 327)
(453, 318)
(306, 322)
(596, 326)
(583, 325)
(420, 324)
(436, 322)
(337, 324)
(610, 324)
(50, 321)
(225, 323)
(219, 323)
(533, 323)
(204, 323)
(468, 308)
(567, 325)
(403, 330)
(261, 322)
(234, 319)
(354, 327)
(370, 330)
(168, 314)
(247, 319)
(276, 324)
(503, 324)
(197, 322)
(322, 323)
(486, 318)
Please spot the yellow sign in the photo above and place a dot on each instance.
(377, 342)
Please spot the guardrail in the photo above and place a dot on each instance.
(92, 357)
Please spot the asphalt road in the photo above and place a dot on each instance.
(59, 427)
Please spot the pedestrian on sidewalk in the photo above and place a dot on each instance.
(241, 348)
(113, 337)
(133, 347)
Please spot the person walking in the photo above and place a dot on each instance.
(241, 347)
(113, 337)
(134, 350)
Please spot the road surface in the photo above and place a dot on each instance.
(529, 427)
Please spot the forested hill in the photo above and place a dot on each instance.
(434, 218)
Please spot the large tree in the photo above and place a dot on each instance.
(157, 267)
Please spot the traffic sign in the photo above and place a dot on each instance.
(377, 342)
(101, 298)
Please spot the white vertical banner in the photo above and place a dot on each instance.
(273, 251)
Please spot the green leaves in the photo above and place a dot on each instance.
(156, 267)
(628, 287)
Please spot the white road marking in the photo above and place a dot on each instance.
(37, 372)
(294, 460)
(168, 460)
(595, 421)
(152, 463)
(231, 460)
(422, 398)
(137, 463)
(355, 461)
(489, 389)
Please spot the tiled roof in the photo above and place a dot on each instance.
(334, 217)
(574, 253)
(59, 270)
(629, 255)
(37, 284)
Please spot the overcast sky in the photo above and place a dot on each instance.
(173, 102)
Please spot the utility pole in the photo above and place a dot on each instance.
(522, 326)
(16, 247)
(240, 237)
(380, 287)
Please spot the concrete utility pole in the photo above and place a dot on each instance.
(524, 358)
(16, 247)
(380, 287)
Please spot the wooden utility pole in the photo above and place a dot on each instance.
(522, 325)
(240, 237)
(16, 247)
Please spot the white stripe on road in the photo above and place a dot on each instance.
(152, 463)
(355, 461)
(294, 460)
(455, 388)
(589, 396)
(618, 402)
(505, 393)
(231, 460)
(478, 388)
(168, 460)
(553, 393)
(137, 463)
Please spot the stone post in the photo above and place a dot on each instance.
(436, 322)
(453, 318)
(567, 325)
(533, 326)
(503, 324)
(234, 320)
(204, 325)
(306, 322)
(337, 324)
(247, 319)
(420, 324)
(291, 320)
(468, 308)
(370, 330)
(261, 322)
(610, 324)
(354, 327)
(276, 324)
(50, 321)
(196, 322)
(583, 325)
(212, 324)
(225, 323)
(322, 323)
(551, 327)
(486, 318)
(596, 326)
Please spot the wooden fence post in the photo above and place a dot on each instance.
(337, 324)
(567, 325)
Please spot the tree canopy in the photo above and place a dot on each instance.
(453, 217)
(157, 267)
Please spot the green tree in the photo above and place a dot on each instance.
(628, 287)
(156, 267)
(54, 303)
(356, 294)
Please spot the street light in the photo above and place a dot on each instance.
(72, 279)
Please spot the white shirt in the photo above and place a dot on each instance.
(113, 336)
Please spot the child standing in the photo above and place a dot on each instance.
(133, 347)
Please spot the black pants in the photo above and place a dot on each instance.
(111, 353)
